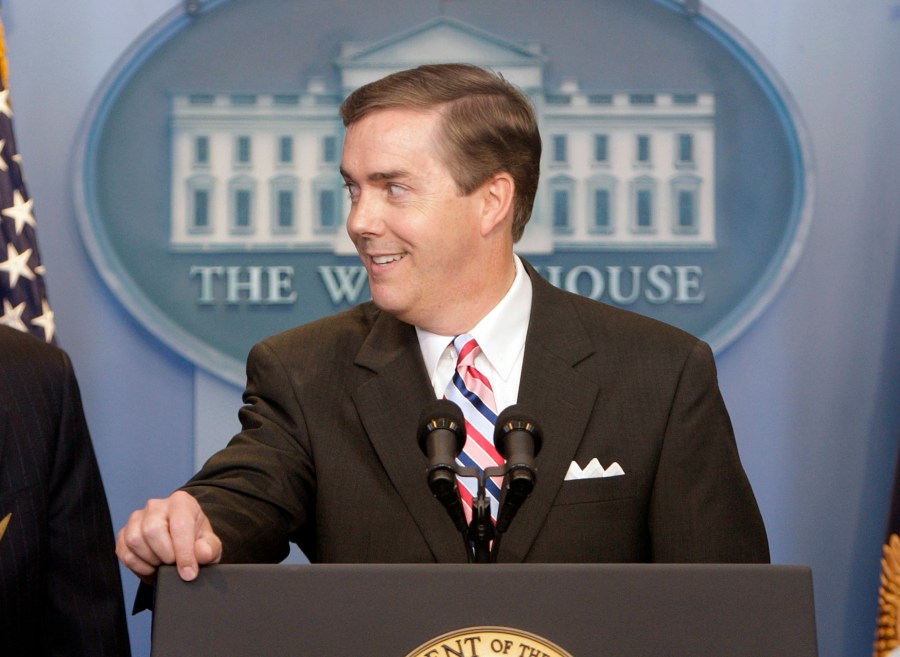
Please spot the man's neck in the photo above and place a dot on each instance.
(462, 314)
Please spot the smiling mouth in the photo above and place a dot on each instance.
(386, 259)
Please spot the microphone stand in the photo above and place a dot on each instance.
(517, 438)
(481, 532)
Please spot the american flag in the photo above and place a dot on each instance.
(23, 293)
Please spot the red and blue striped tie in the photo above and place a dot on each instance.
(472, 392)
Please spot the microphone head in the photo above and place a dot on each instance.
(442, 414)
(511, 419)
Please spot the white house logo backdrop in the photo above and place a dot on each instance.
(674, 178)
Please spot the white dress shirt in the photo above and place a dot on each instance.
(501, 336)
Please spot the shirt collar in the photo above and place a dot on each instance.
(500, 334)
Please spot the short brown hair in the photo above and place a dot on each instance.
(488, 124)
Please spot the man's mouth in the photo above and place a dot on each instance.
(386, 259)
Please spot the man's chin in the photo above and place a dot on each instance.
(398, 308)
(386, 303)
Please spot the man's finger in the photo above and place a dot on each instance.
(170, 531)
(186, 524)
(148, 535)
(132, 559)
(208, 547)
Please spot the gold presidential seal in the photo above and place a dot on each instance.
(488, 642)
(887, 634)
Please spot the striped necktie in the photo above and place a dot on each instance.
(472, 392)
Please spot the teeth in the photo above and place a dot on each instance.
(383, 260)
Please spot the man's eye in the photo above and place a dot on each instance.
(352, 190)
(395, 190)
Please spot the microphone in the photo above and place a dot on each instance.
(442, 435)
(518, 439)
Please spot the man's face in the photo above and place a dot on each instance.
(419, 239)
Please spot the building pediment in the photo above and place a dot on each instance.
(441, 40)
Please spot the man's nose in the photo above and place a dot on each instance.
(364, 219)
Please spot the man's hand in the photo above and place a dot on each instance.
(170, 531)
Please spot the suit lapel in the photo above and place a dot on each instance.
(552, 390)
(390, 404)
(558, 397)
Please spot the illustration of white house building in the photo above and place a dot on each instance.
(620, 169)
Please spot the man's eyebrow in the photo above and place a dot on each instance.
(379, 175)
(387, 175)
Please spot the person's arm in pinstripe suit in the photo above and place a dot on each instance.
(60, 590)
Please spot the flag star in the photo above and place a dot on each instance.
(12, 316)
(46, 321)
(5, 107)
(21, 273)
(16, 265)
(20, 211)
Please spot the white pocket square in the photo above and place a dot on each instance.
(593, 470)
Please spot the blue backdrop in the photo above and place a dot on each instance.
(813, 386)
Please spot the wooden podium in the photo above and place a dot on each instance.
(508, 610)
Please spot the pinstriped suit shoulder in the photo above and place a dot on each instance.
(60, 591)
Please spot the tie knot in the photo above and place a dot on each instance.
(466, 348)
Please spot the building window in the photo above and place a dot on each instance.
(685, 148)
(201, 210)
(560, 149)
(686, 205)
(601, 195)
(242, 218)
(687, 210)
(600, 99)
(558, 99)
(242, 150)
(201, 150)
(601, 209)
(200, 200)
(601, 148)
(243, 99)
(285, 210)
(684, 99)
(643, 205)
(285, 99)
(642, 154)
(328, 210)
(242, 201)
(561, 210)
(328, 191)
(202, 99)
(285, 150)
(329, 149)
(642, 99)
(562, 189)
(602, 215)
(284, 204)
(644, 216)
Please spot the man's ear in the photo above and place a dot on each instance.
(498, 194)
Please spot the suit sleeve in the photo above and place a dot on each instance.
(259, 492)
(85, 606)
(702, 507)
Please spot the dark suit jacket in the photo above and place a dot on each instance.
(328, 455)
(60, 591)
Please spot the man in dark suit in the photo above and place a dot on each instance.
(60, 591)
(638, 463)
